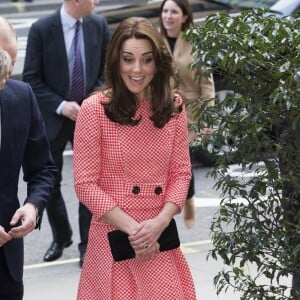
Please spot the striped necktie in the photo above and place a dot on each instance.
(77, 85)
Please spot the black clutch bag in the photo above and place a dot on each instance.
(121, 248)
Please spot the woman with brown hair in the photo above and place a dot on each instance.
(176, 16)
(132, 170)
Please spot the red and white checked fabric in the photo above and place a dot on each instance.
(109, 160)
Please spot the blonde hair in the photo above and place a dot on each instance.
(5, 64)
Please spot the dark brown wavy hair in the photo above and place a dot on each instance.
(122, 104)
(186, 9)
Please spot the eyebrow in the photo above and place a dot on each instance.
(146, 53)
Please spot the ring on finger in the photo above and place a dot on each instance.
(145, 245)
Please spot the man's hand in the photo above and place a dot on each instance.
(27, 215)
(70, 109)
(4, 236)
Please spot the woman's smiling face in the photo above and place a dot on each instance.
(172, 18)
(137, 66)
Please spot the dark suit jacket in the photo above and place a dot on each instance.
(23, 143)
(46, 63)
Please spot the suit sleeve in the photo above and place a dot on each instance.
(180, 166)
(38, 167)
(34, 67)
(105, 41)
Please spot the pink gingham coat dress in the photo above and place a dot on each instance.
(111, 163)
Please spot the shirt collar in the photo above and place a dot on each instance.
(66, 19)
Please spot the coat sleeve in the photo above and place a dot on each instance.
(105, 34)
(180, 166)
(44, 76)
(38, 167)
(87, 156)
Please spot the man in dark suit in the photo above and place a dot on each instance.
(23, 142)
(48, 67)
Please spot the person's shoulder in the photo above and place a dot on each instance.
(96, 100)
(18, 93)
(15, 85)
(97, 19)
(47, 19)
(92, 107)
(183, 43)
(19, 90)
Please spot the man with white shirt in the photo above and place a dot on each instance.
(23, 143)
(49, 66)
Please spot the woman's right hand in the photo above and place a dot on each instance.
(144, 240)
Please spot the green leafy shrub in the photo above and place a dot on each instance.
(259, 128)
